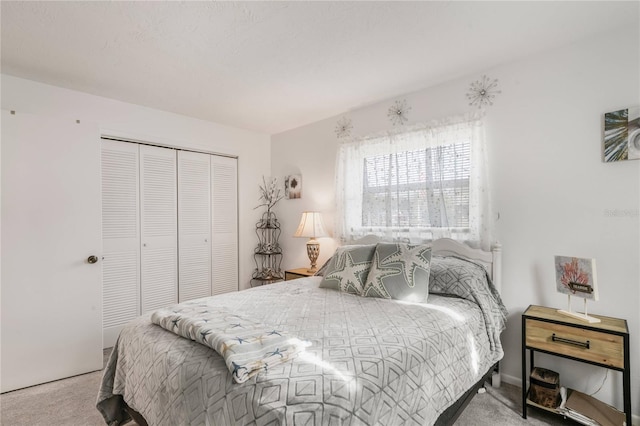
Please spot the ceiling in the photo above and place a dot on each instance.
(273, 66)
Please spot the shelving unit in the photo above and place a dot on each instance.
(268, 254)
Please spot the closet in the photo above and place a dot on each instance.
(170, 232)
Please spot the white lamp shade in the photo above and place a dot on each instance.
(311, 226)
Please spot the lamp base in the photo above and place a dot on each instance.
(313, 251)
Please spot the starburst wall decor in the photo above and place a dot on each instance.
(343, 128)
(397, 112)
(482, 92)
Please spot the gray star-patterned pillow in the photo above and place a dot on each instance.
(348, 269)
(400, 271)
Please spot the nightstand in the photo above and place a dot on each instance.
(293, 274)
(605, 344)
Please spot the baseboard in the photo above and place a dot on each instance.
(512, 380)
(517, 381)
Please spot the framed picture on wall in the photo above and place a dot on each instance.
(293, 186)
(622, 135)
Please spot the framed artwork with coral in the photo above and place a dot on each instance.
(622, 135)
(293, 187)
(576, 277)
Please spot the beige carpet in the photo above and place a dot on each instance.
(71, 402)
(503, 406)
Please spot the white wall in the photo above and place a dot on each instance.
(145, 124)
(552, 190)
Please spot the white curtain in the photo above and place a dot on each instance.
(416, 185)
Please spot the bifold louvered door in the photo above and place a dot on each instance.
(194, 225)
(170, 229)
(120, 236)
(158, 228)
(224, 206)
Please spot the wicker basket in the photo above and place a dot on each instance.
(545, 387)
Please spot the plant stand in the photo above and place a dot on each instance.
(268, 254)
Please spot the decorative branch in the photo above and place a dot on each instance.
(269, 194)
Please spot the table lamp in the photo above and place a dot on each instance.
(311, 226)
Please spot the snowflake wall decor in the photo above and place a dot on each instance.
(483, 91)
(398, 112)
(343, 128)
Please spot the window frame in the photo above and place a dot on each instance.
(353, 192)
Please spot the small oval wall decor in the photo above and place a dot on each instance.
(293, 187)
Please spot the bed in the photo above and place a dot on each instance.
(370, 360)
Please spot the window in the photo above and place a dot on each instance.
(414, 186)
(410, 181)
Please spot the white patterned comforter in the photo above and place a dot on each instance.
(371, 362)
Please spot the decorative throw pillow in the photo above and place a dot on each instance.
(348, 269)
(399, 271)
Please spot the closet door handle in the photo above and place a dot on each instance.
(92, 259)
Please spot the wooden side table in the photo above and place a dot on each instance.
(293, 274)
(605, 344)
